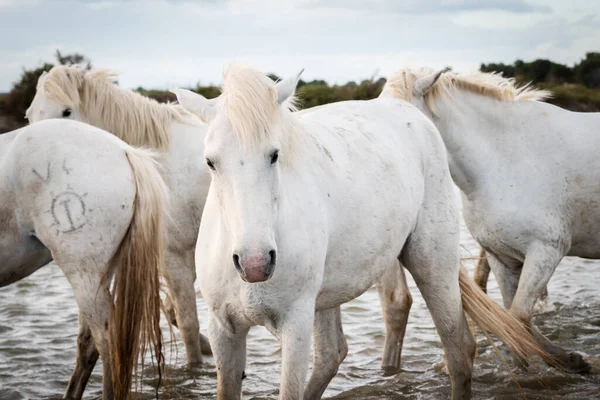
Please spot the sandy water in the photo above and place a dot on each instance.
(38, 331)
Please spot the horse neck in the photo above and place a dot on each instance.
(467, 124)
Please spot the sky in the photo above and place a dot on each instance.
(171, 43)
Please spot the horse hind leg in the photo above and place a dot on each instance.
(90, 288)
(329, 350)
(87, 356)
(540, 263)
(433, 261)
(396, 301)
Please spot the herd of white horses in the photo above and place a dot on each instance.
(283, 215)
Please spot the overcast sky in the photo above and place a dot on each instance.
(168, 43)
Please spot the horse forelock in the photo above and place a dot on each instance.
(137, 120)
(249, 101)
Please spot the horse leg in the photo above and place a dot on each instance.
(540, 263)
(434, 264)
(295, 336)
(482, 271)
(180, 274)
(87, 356)
(396, 301)
(507, 274)
(90, 288)
(329, 350)
(229, 348)
(170, 313)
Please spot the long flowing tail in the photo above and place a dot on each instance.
(134, 323)
(491, 317)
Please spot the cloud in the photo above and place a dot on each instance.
(425, 7)
(160, 43)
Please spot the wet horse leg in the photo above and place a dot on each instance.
(396, 301)
(540, 263)
(172, 316)
(294, 336)
(87, 356)
(229, 349)
(329, 350)
(434, 263)
(180, 274)
(90, 288)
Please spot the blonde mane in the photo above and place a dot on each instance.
(249, 100)
(135, 119)
(492, 85)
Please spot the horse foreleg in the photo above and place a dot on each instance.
(172, 316)
(482, 271)
(180, 274)
(87, 356)
(540, 263)
(295, 335)
(396, 301)
(329, 350)
(229, 349)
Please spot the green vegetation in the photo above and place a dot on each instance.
(575, 88)
(586, 73)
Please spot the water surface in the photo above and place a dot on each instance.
(38, 332)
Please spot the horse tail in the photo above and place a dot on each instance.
(491, 317)
(134, 322)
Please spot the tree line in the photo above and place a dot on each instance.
(576, 88)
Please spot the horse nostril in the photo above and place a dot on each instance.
(273, 255)
(236, 262)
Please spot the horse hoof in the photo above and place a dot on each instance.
(576, 364)
(390, 370)
(205, 348)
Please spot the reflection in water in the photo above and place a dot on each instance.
(38, 331)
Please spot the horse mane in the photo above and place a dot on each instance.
(249, 99)
(136, 119)
(489, 84)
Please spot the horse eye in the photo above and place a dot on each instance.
(210, 164)
(66, 113)
(275, 157)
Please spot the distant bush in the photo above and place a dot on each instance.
(586, 73)
(574, 88)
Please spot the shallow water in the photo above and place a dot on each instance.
(38, 331)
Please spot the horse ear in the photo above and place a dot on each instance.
(424, 85)
(286, 87)
(196, 103)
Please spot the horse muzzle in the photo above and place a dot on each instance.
(256, 267)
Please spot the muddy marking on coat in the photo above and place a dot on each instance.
(46, 177)
(69, 211)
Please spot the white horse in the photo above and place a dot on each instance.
(77, 195)
(90, 96)
(528, 172)
(71, 92)
(308, 210)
